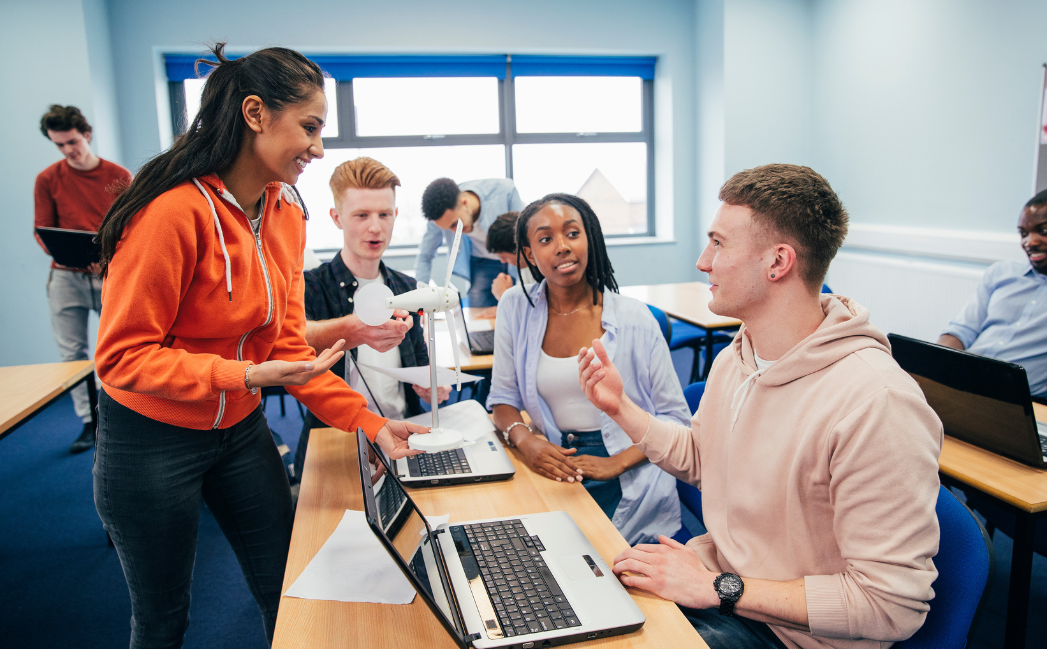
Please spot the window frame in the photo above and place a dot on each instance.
(507, 135)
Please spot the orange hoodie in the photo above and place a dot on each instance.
(192, 298)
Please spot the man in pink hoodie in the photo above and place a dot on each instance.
(817, 456)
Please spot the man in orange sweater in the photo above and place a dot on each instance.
(74, 194)
(817, 456)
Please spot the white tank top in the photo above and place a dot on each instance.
(558, 385)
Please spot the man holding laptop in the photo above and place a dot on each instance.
(816, 454)
(74, 194)
(365, 210)
(1007, 317)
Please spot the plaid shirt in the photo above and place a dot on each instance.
(329, 291)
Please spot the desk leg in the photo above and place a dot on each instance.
(710, 344)
(92, 398)
(1021, 580)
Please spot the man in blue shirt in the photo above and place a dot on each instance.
(1007, 317)
(477, 203)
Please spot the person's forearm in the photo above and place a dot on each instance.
(775, 602)
(321, 334)
(632, 418)
(506, 415)
(629, 458)
(949, 340)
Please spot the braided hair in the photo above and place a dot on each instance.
(598, 271)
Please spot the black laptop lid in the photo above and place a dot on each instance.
(980, 400)
(407, 537)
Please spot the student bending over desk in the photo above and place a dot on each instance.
(203, 305)
(817, 456)
(535, 368)
(1006, 318)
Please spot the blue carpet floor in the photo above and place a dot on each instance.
(62, 586)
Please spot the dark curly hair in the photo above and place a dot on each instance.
(1037, 200)
(63, 118)
(441, 195)
(794, 202)
(598, 271)
(501, 236)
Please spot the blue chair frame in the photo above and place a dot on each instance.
(690, 496)
(966, 564)
(663, 322)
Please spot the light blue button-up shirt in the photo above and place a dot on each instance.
(1007, 319)
(634, 342)
(497, 196)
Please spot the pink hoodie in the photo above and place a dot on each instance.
(823, 466)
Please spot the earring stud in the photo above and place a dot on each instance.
(772, 275)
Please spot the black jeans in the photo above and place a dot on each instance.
(149, 479)
(722, 632)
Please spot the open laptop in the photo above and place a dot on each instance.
(479, 342)
(71, 248)
(980, 400)
(519, 582)
(483, 460)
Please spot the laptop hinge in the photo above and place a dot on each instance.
(473, 637)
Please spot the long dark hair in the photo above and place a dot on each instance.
(277, 75)
(598, 270)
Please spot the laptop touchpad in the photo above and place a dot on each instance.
(580, 567)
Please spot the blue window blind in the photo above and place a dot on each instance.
(583, 66)
(343, 68)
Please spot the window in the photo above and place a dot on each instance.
(577, 125)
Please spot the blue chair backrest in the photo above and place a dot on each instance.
(693, 394)
(663, 322)
(966, 563)
(826, 289)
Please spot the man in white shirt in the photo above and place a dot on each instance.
(365, 211)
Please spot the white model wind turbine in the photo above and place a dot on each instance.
(374, 306)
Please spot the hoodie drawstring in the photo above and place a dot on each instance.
(221, 240)
(746, 385)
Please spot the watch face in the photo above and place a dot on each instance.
(730, 585)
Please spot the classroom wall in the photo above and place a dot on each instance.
(46, 53)
(140, 31)
(925, 113)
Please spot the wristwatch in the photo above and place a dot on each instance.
(729, 587)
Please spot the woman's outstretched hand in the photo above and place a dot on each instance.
(295, 373)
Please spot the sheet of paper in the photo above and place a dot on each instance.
(420, 375)
(466, 417)
(352, 566)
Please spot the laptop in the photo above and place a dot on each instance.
(479, 342)
(71, 248)
(980, 400)
(483, 460)
(513, 582)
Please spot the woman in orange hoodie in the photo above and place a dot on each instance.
(202, 257)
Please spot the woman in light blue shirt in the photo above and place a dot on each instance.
(540, 329)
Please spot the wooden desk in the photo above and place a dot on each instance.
(445, 355)
(1020, 489)
(689, 302)
(25, 390)
(331, 484)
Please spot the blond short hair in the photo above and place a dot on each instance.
(362, 173)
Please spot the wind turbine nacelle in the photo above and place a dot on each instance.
(428, 298)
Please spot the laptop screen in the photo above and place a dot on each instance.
(407, 537)
(460, 328)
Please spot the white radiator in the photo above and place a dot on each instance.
(908, 297)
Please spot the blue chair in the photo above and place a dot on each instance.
(826, 289)
(966, 563)
(690, 496)
(663, 322)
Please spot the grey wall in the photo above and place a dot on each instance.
(925, 113)
(46, 50)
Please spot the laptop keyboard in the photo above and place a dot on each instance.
(483, 339)
(389, 501)
(524, 592)
(443, 463)
(1041, 429)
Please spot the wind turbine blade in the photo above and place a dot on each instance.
(454, 253)
(454, 346)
